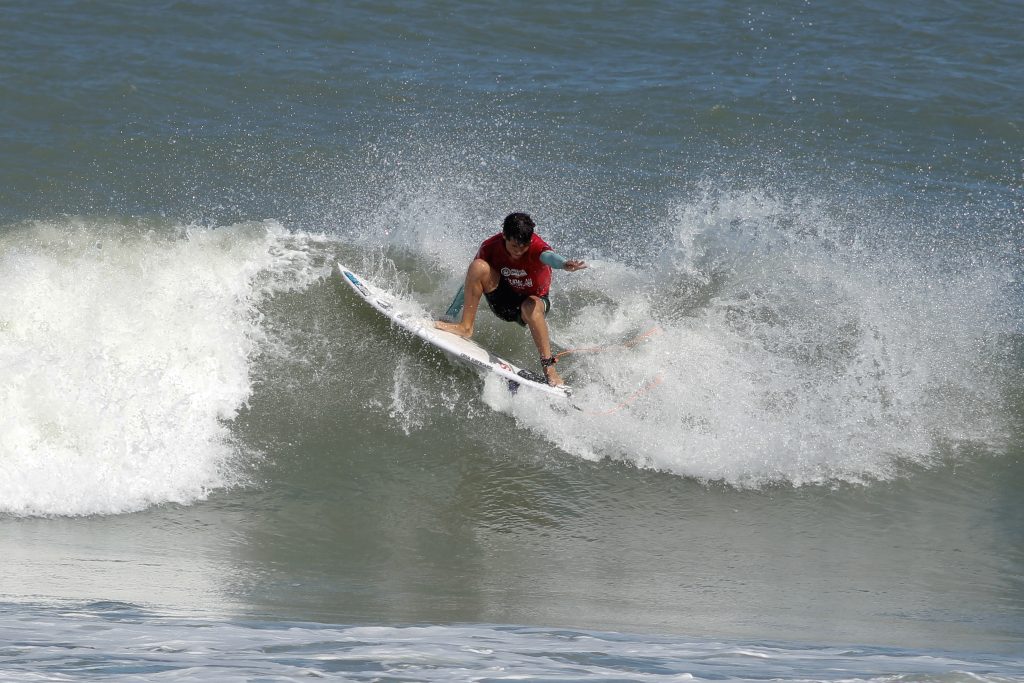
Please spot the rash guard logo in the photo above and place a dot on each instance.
(517, 278)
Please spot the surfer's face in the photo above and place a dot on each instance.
(516, 250)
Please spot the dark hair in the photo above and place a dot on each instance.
(518, 227)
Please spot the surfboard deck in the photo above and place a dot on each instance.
(414, 320)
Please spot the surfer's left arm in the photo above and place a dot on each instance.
(558, 261)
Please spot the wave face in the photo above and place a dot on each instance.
(781, 347)
(126, 349)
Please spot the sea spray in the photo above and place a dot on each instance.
(788, 352)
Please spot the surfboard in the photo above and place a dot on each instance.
(413, 319)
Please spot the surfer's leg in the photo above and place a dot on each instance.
(533, 309)
(480, 278)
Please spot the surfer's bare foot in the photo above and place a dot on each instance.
(454, 328)
(554, 379)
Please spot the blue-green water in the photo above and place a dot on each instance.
(210, 449)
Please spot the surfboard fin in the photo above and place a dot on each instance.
(454, 312)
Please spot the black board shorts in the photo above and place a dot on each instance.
(506, 302)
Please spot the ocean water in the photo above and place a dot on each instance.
(797, 454)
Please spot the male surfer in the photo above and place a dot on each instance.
(513, 270)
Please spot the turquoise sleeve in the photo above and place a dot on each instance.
(550, 258)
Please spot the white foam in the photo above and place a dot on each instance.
(123, 353)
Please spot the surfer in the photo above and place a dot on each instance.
(513, 271)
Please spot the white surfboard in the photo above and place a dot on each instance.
(411, 318)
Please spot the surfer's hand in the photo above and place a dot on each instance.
(572, 265)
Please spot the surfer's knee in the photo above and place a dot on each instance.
(479, 268)
(482, 272)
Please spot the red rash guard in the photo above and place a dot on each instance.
(527, 276)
